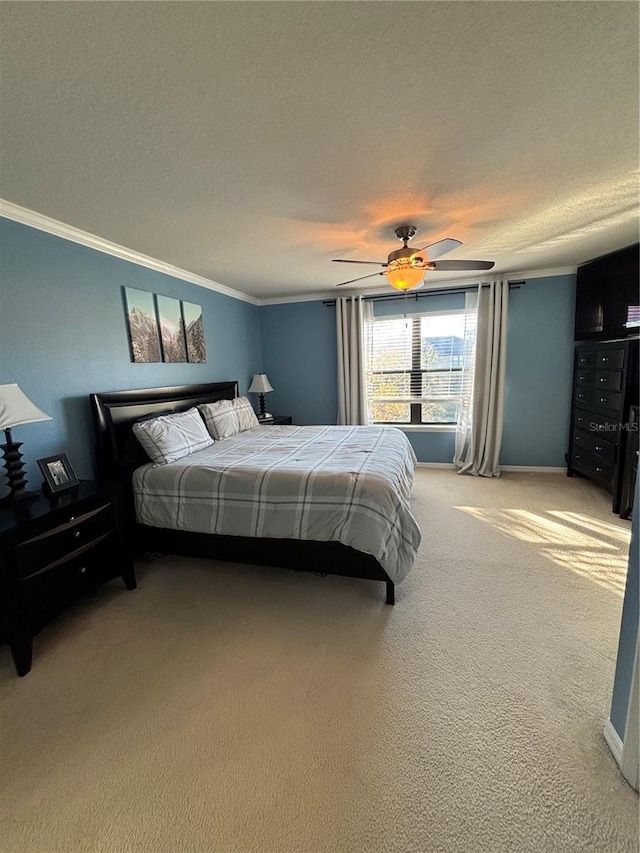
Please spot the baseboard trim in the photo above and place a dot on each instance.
(534, 469)
(435, 465)
(523, 469)
(613, 740)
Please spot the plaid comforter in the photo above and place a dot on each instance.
(344, 483)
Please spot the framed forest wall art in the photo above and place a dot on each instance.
(162, 328)
(174, 348)
(194, 332)
(143, 325)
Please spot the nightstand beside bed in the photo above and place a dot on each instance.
(276, 420)
(52, 550)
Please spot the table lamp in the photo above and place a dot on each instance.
(261, 385)
(15, 409)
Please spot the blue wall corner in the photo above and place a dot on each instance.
(299, 345)
(539, 372)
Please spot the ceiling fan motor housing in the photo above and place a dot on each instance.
(406, 232)
(404, 253)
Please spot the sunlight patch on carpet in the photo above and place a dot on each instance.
(590, 548)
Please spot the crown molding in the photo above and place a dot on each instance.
(23, 215)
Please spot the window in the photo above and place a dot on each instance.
(414, 369)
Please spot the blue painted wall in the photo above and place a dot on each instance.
(63, 335)
(299, 346)
(628, 628)
(539, 370)
(299, 349)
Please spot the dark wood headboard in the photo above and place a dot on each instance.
(114, 412)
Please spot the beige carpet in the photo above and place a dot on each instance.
(234, 708)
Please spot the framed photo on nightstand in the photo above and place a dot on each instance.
(58, 474)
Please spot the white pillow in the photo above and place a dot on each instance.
(170, 437)
(228, 417)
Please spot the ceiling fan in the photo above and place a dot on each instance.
(405, 268)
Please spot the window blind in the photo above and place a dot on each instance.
(414, 367)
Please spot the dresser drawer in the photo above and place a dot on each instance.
(611, 400)
(597, 424)
(586, 359)
(584, 395)
(592, 466)
(610, 358)
(585, 378)
(609, 379)
(595, 444)
(64, 540)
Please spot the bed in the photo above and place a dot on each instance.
(330, 500)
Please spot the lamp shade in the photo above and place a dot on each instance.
(260, 384)
(16, 408)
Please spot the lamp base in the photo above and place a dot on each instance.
(16, 479)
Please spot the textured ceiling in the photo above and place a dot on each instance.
(251, 142)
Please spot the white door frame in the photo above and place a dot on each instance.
(630, 757)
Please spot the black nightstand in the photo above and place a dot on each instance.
(276, 420)
(52, 549)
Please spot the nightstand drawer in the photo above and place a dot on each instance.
(49, 591)
(62, 541)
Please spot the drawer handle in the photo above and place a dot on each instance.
(603, 379)
(582, 377)
(603, 399)
(580, 419)
(577, 456)
(578, 438)
(599, 470)
(598, 447)
(580, 396)
(604, 359)
(77, 534)
(83, 570)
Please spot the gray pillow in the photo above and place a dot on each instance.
(228, 417)
(170, 437)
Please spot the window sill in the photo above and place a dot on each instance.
(422, 427)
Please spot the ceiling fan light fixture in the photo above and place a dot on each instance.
(403, 275)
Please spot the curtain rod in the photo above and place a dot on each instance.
(513, 285)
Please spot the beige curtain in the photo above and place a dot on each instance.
(479, 431)
(351, 314)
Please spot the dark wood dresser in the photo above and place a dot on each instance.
(605, 386)
(52, 550)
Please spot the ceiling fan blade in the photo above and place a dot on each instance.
(342, 261)
(440, 247)
(371, 275)
(463, 265)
